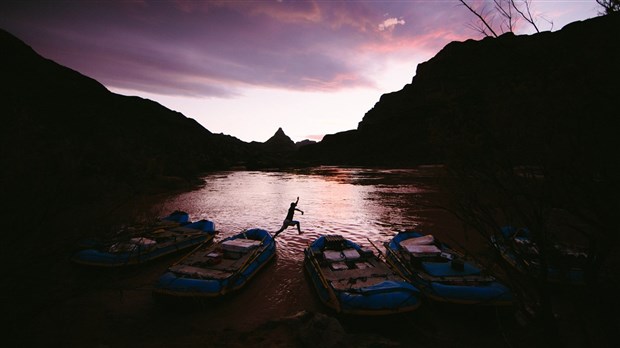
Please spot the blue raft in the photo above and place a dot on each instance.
(142, 244)
(442, 274)
(351, 280)
(218, 269)
(564, 264)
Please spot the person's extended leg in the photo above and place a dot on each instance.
(298, 227)
(280, 230)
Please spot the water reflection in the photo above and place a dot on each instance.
(359, 203)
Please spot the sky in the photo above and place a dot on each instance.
(246, 68)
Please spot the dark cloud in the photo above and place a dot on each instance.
(218, 48)
(202, 48)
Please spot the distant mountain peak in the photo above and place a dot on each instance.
(280, 141)
(279, 134)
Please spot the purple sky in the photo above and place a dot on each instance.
(245, 68)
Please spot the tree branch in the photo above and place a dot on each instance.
(484, 22)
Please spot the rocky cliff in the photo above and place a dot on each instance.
(68, 141)
(522, 89)
(54, 114)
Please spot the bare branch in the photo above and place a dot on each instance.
(509, 12)
(479, 27)
(609, 6)
(480, 17)
(527, 14)
(506, 12)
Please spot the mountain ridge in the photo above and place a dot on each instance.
(516, 81)
(525, 91)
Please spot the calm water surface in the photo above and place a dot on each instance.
(359, 204)
(115, 308)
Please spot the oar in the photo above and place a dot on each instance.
(378, 250)
(252, 254)
(397, 258)
(251, 257)
(190, 253)
(328, 288)
(388, 260)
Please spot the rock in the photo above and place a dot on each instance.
(279, 142)
(521, 92)
(319, 330)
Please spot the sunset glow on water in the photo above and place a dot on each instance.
(357, 203)
(360, 204)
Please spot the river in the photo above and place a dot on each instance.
(357, 203)
(116, 307)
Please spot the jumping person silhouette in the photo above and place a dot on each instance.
(288, 221)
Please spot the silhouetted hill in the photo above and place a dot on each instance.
(53, 113)
(304, 143)
(77, 159)
(279, 142)
(67, 140)
(277, 152)
(525, 90)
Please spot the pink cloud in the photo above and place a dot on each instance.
(390, 23)
(218, 48)
(430, 41)
(209, 48)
